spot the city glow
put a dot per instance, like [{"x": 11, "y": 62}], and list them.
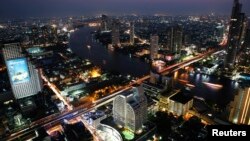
[
  {"x": 54, "y": 26},
  {"x": 214, "y": 86},
  {"x": 127, "y": 31},
  {"x": 65, "y": 29},
  {"x": 94, "y": 24},
  {"x": 190, "y": 85},
  {"x": 128, "y": 135},
  {"x": 117, "y": 77},
  {"x": 183, "y": 81},
  {"x": 246, "y": 106},
  {"x": 1, "y": 27},
  {"x": 96, "y": 72}
]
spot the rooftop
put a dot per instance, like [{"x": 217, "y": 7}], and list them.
[
  {"x": 181, "y": 97},
  {"x": 127, "y": 93},
  {"x": 147, "y": 129}
]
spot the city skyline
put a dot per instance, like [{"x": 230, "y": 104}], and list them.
[
  {"x": 47, "y": 8},
  {"x": 113, "y": 70}
]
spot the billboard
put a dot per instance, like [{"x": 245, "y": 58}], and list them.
[{"x": 18, "y": 70}]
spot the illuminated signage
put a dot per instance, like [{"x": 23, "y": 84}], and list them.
[{"x": 18, "y": 70}]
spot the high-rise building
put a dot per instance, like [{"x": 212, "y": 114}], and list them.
[
  {"x": 104, "y": 23},
  {"x": 219, "y": 32},
  {"x": 24, "y": 77},
  {"x": 54, "y": 34},
  {"x": 239, "y": 107},
  {"x": 154, "y": 47},
  {"x": 186, "y": 39},
  {"x": 175, "y": 39},
  {"x": 132, "y": 33},
  {"x": 116, "y": 33},
  {"x": 154, "y": 39},
  {"x": 235, "y": 35},
  {"x": 244, "y": 58},
  {"x": 130, "y": 109}
]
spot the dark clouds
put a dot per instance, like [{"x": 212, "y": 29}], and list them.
[{"x": 25, "y": 8}]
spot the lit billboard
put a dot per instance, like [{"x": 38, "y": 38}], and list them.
[{"x": 18, "y": 70}]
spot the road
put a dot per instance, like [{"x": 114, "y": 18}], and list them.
[{"x": 77, "y": 111}]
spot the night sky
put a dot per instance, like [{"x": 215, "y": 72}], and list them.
[{"x": 26, "y": 8}]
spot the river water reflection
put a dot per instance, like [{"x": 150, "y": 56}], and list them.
[{"x": 82, "y": 44}]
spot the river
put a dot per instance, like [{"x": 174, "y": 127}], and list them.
[
  {"x": 101, "y": 56},
  {"x": 123, "y": 64}
]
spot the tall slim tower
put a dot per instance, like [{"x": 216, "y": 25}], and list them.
[
  {"x": 244, "y": 58},
  {"x": 175, "y": 39},
  {"x": 132, "y": 33},
  {"x": 104, "y": 23},
  {"x": 24, "y": 77},
  {"x": 240, "y": 107},
  {"x": 116, "y": 33},
  {"x": 235, "y": 35},
  {"x": 154, "y": 39}
]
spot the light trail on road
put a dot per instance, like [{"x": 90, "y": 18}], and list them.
[{"x": 88, "y": 107}]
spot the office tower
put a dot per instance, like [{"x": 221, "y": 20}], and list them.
[
  {"x": 116, "y": 33},
  {"x": 45, "y": 34},
  {"x": 130, "y": 109},
  {"x": 175, "y": 39},
  {"x": 54, "y": 33},
  {"x": 219, "y": 32},
  {"x": 154, "y": 76},
  {"x": 34, "y": 36},
  {"x": 132, "y": 33},
  {"x": 24, "y": 77},
  {"x": 244, "y": 59},
  {"x": 154, "y": 39},
  {"x": 104, "y": 23},
  {"x": 240, "y": 107},
  {"x": 187, "y": 39},
  {"x": 235, "y": 35}
]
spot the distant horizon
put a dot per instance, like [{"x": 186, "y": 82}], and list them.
[
  {"x": 115, "y": 15},
  {"x": 13, "y": 9}
]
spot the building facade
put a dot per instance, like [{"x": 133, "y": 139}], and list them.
[
  {"x": 176, "y": 102},
  {"x": 104, "y": 23},
  {"x": 116, "y": 33},
  {"x": 130, "y": 109},
  {"x": 24, "y": 77},
  {"x": 236, "y": 34},
  {"x": 175, "y": 39},
  {"x": 132, "y": 33},
  {"x": 239, "y": 107},
  {"x": 154, "y": 47},
  {"x": 244, "y": 59}
]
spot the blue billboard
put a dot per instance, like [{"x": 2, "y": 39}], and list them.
[{"x": 18, "y": 70}]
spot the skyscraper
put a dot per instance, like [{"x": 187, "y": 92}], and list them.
[
  {"x": 104, "y": 22},
  {"x": 130, "y": 109},
  {"x": 235, "y": 35},
  {"x": 132, "y": 33},
  {"x": 115, "y": 33},
  {"x": 244, "y": 58},
  {"x": 24, "y": 77},
  {"x": 154, "y": 39},
  {"x": 240, "y": 107},
  {"x": 175, "y": 39},
  {"x": 219, "y": 32}
]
